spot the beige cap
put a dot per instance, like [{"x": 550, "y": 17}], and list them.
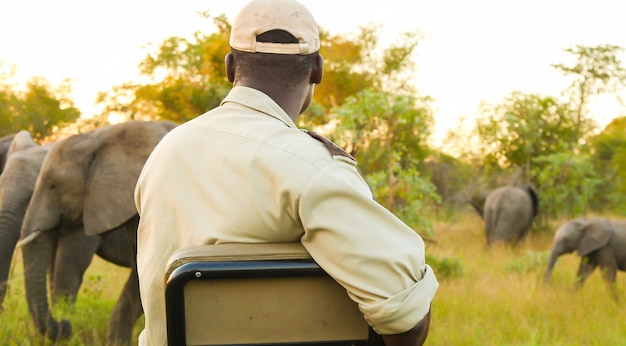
[{"x": 260, "y": 16}]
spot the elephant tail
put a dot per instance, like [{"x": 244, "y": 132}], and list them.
[
  {"x": 534, "y": 199},
  {"x": 477, "y": 207}
]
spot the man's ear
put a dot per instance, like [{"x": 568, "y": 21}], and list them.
[
  {"x": 230, "y": 67},
  {"x": 317, "y": 71}
]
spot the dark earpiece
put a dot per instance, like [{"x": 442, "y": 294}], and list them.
[
  {"x": 317, "y": 71},
  {"x": 230, "y": 67}
]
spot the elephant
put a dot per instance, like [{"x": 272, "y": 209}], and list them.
[
  {"x": 5, "y": 143},
  {"x": 600, "y": 242},
  {"x": 87, "y": 180},
  {"x": 72, "y": 252},
  {"x": 21, "y": 160},
  {"x": 508, "y": 213}
]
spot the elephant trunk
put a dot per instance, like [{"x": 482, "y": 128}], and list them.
[
  {"x": 36, "y": 259},
  {"x": 554, "y": 255},
  {"x": 10, "y": 224}
]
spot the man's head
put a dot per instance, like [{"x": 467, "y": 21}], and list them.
[
  {"x": 261, "y": 16},
  {"x": 275, "y": 48}
]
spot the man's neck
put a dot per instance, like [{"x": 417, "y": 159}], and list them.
[{"x": 291, "y": 100}]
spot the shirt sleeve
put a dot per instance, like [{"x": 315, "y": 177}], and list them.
[{"x": 368, "y": 250}]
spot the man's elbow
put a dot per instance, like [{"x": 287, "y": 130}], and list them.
[{"x": 414, "y": 337}]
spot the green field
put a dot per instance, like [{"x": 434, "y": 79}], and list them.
[{"x": 486, "y": 297}]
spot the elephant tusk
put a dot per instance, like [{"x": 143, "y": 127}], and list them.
[{"x": 29, "y": 238}]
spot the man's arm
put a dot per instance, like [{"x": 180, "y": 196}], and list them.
[{"x": 414, "y": 337}]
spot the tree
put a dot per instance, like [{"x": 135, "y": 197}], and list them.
[
  {"x": 572, "y": 183},
  {"x": 527, "y": 126},
  {"x": 354, "y": 62},
  {"x": 609, "y": 159},
  {"x": 387, "y": 134},
  {"x": 182, "y": 79},
  {"x": 43, "y": 109},
  {"x": 40, "y": 109},
  {"x": 597, "y": 70}
]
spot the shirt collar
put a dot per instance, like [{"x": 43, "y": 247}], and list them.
[{"x": 259, "y": 101}]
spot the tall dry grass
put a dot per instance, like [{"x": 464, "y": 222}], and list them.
[
  {"x": 500, "y": 299},
  {"x": 493, "y": 297}
]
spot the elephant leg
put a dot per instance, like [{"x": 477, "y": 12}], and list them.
[
  {"x": 608, "y": 266},
  {"x": 584, "y": 270},
  {"x": 126, "y": 312},
  {"x": 52, "y": 263},
  {"x": 609, "y": 273},
  {"x": 128, "y": 306},
  {"x": 74, "y": 253}
]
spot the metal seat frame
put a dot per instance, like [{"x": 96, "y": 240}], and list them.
[{"x": 203, "y": 267}]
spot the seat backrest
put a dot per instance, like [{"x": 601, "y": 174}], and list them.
[{"x": 257, "y": 294}]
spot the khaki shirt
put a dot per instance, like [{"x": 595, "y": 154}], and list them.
[{"x": 244, "y": 173}]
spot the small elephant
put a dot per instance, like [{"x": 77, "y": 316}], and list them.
[
  {"x": 72, "y": 249},
  {"x": 599, "y": 242},
  {"x": 87, "y": 180},
  {"x": 508, "y": 213}
]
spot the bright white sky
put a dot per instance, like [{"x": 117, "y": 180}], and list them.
[{"x": 473, "y": 50}]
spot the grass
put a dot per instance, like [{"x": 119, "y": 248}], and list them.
[
  {"x": 500, "y": 298},
  {"x": 101, "y": 287},
  {"x": 486, "y": 297}
]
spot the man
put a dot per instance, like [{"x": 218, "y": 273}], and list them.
[{"x": 244, "y": 173}]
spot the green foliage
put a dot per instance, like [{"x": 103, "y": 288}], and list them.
[
  {"x": 531, "y": 262},
  {"x": 457, "y": 182},
  {"x": 568, "y": 183},
  {"x": 344, "y": 75},
  {"x": 609, "y": 160},
  {"x": 597, "y": 70},
  {"x": 354, "y": 63},
  {"x": 526, "y": 126},
  {"x": 183, "y": 79},
  {"x": 40, "y": 109},
  {"x": 387, "y": 134},
  {"x": 445, "y": 268},
  {"x": 545, "y": 137}
]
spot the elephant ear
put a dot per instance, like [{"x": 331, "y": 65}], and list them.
[
  {"x": 596, "y": 235},
  {"x": 113, "y": 174}
]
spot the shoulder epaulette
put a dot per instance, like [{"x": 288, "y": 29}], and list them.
[{"x": 332, "y": 147}]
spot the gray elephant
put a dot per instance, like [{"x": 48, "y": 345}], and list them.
[
  {"x": 599, "y": 242},
  {"x": 5, "y": 142},
  {"x": 508, "y": 213},
  {"x": 21, "y": 160},
  {"x": 73, "y": 251},
  {"x": 87, "y": 180}
]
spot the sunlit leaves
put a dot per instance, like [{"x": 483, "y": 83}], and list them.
[
  {"x": 609, "y": 149},
  {"x": 182, "y": 78},
  {"x": 597, "y": 70},
  {"x": 525, "y": 126},
  {"x": 355, "y": 62},
  {"x": 570, "y": 182},
  {"x": 40, "y": 108},
  {"x": 387, "y": 133}
]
